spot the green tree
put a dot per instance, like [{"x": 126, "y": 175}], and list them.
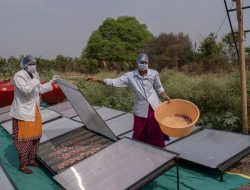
[
  {"x": 228, "y": 48},
  {"x": 210, "y": 54},
  {"x": 43, "y": 65},
  {"x": 170, "y": 50},
  {"x": 247, "y": 50},
  {"x": 8, "y": 67},
  {"x": 2, "y": 63},
  {"x": 116, "y": 41},
  {"x": 61, "y": 62},
  {"x": 210, "y": 47}
]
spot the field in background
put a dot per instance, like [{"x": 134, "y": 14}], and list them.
[{"x": 217, "y": 96}]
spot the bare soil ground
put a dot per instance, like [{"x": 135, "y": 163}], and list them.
[{"x": 242, "y": 167}]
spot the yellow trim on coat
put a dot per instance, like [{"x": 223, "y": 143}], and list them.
[{"x": 28, "y": 130}]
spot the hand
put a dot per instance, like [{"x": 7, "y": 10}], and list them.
[
  {"x": 54, "y": 78},
  {"x": 92, "y": 78},
  {"x": 167, "y": 99},
  {"x": 36, "y": 75}
]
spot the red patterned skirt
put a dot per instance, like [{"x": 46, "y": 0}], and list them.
[{"x": 27, "y": 149}]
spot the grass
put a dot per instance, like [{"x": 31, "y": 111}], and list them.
[{"x": 217, "y": 96}]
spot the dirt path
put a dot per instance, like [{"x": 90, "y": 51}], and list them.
[{"x": 242, "y": 167}]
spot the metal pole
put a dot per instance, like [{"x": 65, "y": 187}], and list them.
[
  {"x": 232, "y": 30},
  {"x": 177, "y": 173},
  {"x": 242, "y": 68},
  {"x": 247, "y": 7}
]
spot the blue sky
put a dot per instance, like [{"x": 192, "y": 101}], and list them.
[{"x": 48, "y": 28}]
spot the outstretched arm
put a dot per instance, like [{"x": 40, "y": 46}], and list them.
[
  {"x": 121, "y": 81},
  {"x": 95, "y": 79}
]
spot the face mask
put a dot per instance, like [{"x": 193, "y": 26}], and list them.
[
  {"x": 31, "y": 68},
  {"x": 142, "y": 67}
]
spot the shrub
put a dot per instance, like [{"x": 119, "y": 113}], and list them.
[
  {"x": 98, "y": 94},
  {"x": 217, "y": 96}
]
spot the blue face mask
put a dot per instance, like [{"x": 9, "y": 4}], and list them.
[{"x": 142, "y": 67}]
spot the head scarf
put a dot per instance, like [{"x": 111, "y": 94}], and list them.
[
  {"x": 142, "y": 62},
  {"x": 26, "y": 60}
]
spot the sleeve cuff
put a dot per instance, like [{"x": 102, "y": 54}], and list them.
[
  {"x": 160, "y": 90},
  {"x": 108, "y": 82},
  {"x": 35, "y": 82},
  {"x": 46, "y": 87}
]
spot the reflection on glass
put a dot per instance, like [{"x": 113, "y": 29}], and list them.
[{"x": 79, "y": 179}]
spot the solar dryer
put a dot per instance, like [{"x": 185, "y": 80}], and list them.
[
  {"x": 213, "y": 149},
  {"x": 92, "y": 156}
]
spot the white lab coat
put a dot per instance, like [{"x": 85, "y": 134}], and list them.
[
  {"x": 145, "y": 89},
  {"x": 26, "y": 95}
]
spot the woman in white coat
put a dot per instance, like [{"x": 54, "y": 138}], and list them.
[
  {"x": 25, "y": 110},
  {"x": 146, "y": 86}
]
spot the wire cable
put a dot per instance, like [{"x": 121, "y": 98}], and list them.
[{"x": 223, "y": 22}]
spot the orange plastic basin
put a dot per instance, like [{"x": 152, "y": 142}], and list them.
[{"x": 168, "y": 117}]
